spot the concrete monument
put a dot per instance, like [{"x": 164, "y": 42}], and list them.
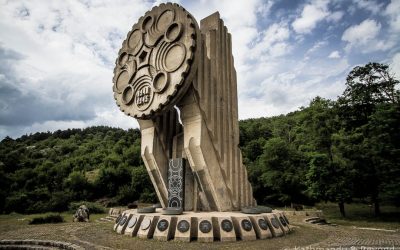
[
  {"x": 179, "y": 82},
  {"x": 166, "y": 61}
]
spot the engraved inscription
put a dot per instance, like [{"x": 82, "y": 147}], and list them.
[{"x": 142, "y": 96}]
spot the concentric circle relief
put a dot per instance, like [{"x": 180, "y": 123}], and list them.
[{"x": 156, "y": 63}]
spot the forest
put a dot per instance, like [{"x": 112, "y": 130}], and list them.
[{"x": 341, "y": 150}]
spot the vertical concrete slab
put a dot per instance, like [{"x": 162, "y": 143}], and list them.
[
  {"x": 133, "y": 225},
  {"x": 205, "y": 232},
  {"x": 274, "y": 225},
  {"x": 147, "y": 227},
  {"x": 282, "y": 223},
  {"x": 244, "y": 228},
  {"x": 224, "y": 229},
  {"x": 261, "y": 227},
  {"x": 116, "y": 224},
  {"x": 123, "y": 223},
  {"x": 185, "y": 229},
  {"x": 165, "y": 229}
]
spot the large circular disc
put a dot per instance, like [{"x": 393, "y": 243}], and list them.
[{"x": 157, "y": 61}]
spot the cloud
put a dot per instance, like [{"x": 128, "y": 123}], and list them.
[
  {"x": 362, "y": 33},
  {"x": 57, "y": 59},
  {"x": 273, "y": 42},
  {"x": 310, "y": 16},
  {"x": 395, "y": 65},
  {"x": 393, "y": 13},
  {"x": 56, "y": 62},
  {"x": 334, "y": 54},
  {"x": 335, "y": 16},
  {"x": 370, "y": 5}
]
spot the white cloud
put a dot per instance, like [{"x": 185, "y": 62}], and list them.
[
  {"x": 393, "y": 12},
  {"x": 335, "y": 16},
  {"x": 61, "y": 55},
  {"x": 273, "y": 42},
  {"x": 362, "y": 33},
  {"x": 334, "y": 54},
  {"x": 310, "y": 16},
  {"x": 395, "y": 65},
  {"x": 370, "y": 5}
]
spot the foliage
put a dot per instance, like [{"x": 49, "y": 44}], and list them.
[
  {"x": 47, "y": 171},
  {"x": 51, "y": 218},
  {"x": 94, "y": 207}
]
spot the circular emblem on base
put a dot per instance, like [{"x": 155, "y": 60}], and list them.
[
  {"x": 123, "y": 220},
  {"x": 263, "y": 224},
  {"x": 205, "y": 226},
  {"x": 118, "y": 218},
  {"x": 283, "y": 221},
  {"x": 132, "y": 222},
  {"x": 274, "y": 223},
  {"x": 183, "y": 226},
  {"x": 145, "y": 224},
  {"x": 162, "y": 225},
  {"x": 246, "y": 225},
  {"x": 286, "y": 219},
  {"x": 226, "y": 225},
  {"x": 157, "y": 61}
]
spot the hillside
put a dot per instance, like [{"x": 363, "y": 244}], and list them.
[{"x": 337, "y": 151}]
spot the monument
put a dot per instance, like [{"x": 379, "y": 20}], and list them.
[{"x": 179, "y": 82}]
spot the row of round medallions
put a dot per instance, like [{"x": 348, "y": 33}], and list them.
[{"x": 273, "y": 224}]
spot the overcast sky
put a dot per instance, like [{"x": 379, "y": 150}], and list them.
[{"x": 57, "y": 57}]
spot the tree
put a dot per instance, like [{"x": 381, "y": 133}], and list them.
[
  {"x": 367, "y": 86},
  {"x": 370, "y": 92}
]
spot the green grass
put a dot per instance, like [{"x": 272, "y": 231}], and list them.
[
  {"x": 24, "y": 219},
  {"x": 361, "y": 215}
]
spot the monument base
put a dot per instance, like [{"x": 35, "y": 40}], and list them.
[{"x": 202, "y": 226}]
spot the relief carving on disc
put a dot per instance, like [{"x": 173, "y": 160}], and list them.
[{"x": 156, "y": 63}]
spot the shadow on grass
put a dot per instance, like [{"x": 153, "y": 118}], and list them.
[{"x": 359, "y": 214}]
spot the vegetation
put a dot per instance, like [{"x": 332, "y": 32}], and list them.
[
  {"x": 51, "y": 218},
  {"x": 337, "y": 151},
  {"x": 47, "y": 171}
]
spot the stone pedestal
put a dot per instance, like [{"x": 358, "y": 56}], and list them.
[
  {"x": 244, "y": 228},
  {"x": 205, "y": 231},
  {"x": 185, "y": 229},
  {"x": 147, "y": 227},
  {"x": 261, "y": 227},
  {"x": 133, "y": 225},
  {"x": 165, "y": 228},
  {"x": 224, "y": 229},
  {"x": 274, "y": 224}
]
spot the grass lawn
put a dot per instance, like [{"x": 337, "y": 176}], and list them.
[
  {"x": 100, "y": 234},
  {"x": 361, "y": 215}
]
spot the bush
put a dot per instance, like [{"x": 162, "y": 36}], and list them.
[
  {"x": 94, "y": 208},
  {"x": 51, "y": 218}
]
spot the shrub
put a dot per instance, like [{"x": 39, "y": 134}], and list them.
[
  {"x": 94, "y": 208},
  {"x": 51, "y": 218}
]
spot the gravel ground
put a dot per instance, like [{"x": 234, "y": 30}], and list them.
[{"x": 99, "y": 235}]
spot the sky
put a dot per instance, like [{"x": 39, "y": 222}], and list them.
[{"x": 57, "y": 57}]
